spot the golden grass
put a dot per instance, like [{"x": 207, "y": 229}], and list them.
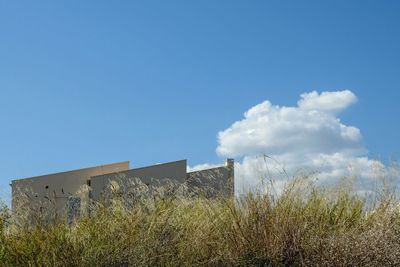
[{"x": 303, "y": 226}]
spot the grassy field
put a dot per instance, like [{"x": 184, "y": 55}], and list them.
[{"x": 304, "y": 226}]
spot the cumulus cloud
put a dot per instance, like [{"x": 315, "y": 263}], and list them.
[
  {"x": 327, "y": 101},
  {"x": 311, "y": 127},
  {"x": 203, "y": 166},
  {"x": 309, "y": 137}
]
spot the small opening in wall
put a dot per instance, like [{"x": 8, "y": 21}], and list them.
[
  {"x": 88, "y": 182},
  {"x": 47, "y": 187}
]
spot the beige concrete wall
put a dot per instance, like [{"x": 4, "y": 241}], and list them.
[
  {"x": 213, "y": 182},
  {"x": 56, "y": 188},
  {"x": 175, "y": 171}
]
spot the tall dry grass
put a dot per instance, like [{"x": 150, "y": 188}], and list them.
[{"x": 305, "y": 225}]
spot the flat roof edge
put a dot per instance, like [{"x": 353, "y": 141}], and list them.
[
  {"x": 75, "y": 170},
  {"x": 145, "y": 167},
  {"x": 208, "y": 169}
]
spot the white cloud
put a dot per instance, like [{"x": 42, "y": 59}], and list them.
[
  {"x": 327, "y": 101},
  {"x": 203, "y": 166},
  {"x": 253, "y": 171},
  {"x": 308, "y": 137},
  {"x": 276, "y": 130}
]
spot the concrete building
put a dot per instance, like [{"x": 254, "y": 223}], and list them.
[
  {"x": 66, "y": 189},
  {"x": 217, "y": 181},
  {"x": 55, "y": 189},
  {"x": 150, "y": 175}
]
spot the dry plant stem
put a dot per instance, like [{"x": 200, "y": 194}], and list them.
[{"x": 167, "y": 225}]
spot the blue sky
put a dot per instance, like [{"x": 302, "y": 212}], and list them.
[{"x": 84, "y": 83}]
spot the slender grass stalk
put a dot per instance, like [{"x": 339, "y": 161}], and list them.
[{"x": 305, "y": 225}]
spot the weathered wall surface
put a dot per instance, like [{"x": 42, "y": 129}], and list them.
[
  {"x": 56, "y": 188},
  {"x": 213, "y": 182},
  {"x": 175, "y": 171},
  {"x": 54, "y": 192}
]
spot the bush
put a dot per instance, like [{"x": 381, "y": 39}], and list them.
[{"x": 303, "y": 226}]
